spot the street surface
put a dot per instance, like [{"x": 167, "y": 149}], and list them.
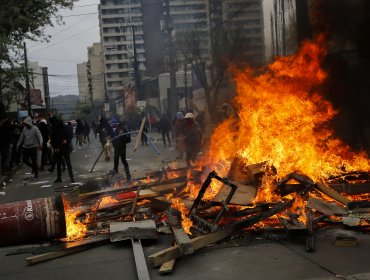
[{"x": 245, "y": 258}]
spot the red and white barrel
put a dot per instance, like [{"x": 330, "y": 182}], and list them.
[{"x": 32, "y": 221}]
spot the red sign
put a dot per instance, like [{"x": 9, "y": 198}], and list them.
[{"x": 130, "y": 98}]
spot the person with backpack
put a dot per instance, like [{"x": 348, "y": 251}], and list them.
[
  {"x": 193, "y": 138},
  {"x": 119, "y": 145}
]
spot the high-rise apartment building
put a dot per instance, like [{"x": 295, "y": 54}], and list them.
[
  {"x": 83, "y": 84},
  {"x": 121, "y": 24},
  {"x": 244, "y": 20},
  {"x": 95, "y": 74},
  {"x": 189, "y": 16}
]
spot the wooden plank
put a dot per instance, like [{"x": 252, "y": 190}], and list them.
[
  {"x": 201, "y": 241},
  {"x": 167, "y": 187},
  {"x": 181, "y": 238},
  {"x": 167, "y": 267},
  {"x": 141, "y": 267},
  {"x": 78, "y": 246},
  {"x": 243, "y": 195},
  {"x": 333, "y": 194},
  {"x": 292, "y": 224},
  {"x": 127, "y": 230},
  {"x": 139, "y": 135},
  {"x": 327, "y": 208}
]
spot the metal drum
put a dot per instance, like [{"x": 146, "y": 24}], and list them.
[{"x": 32, "y": 221}]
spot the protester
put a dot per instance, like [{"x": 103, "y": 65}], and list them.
[
  {"x": 30, "y": 141},
  {"x": 119, "y": 145},
  {"x": 44, "y": 129},
  {"x": 70, "y": 135},
  {"x": 105, "y": 136},
  {"x": 15, "y": 134},
  {"x": 87, "y": 132},
  {"x": 5, "y": 145},
  {"x": 80, "y": 130},
  {"x": 193, "y": 138},
  {"x": 179, "y": 134},
  {"x": 93, "y": 127},
  {"x": 144, "y": 139},
  {"x": 165, "y": 128},
  {"x": 59, "y": 139}
]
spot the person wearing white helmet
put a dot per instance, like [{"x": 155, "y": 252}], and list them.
[{"x": 193, "y": 138}]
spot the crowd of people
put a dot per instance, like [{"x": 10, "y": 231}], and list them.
[{"x": 22, "y": 142}]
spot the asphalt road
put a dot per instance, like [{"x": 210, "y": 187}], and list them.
[{"x": 250, "y": 257}]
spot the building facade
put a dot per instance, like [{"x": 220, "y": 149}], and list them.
[
  {"x": 121, "y": 28},
  {"x": 95, "y": 74},
  {"x": 83, "y": 82}
]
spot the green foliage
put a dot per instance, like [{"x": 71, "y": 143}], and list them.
[{"x": 26, "y": 19}]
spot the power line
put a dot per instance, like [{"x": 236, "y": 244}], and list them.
[
  {"x": 53, "y": 35},
  {"x": 78, "y": 15},
  {"x": 62, "y": 41}
]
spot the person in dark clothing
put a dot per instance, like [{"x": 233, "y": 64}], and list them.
[
  {"x": 119, "y": 145},
  {"x": 5, "y": 141},
  {"x": 106, "y": 133},
  {"x": 93, "y": 127},
  {"x": 80, "y": 130},
  {"x": 87, "y": 132},
  {"x": 70, "y": 135},
  {"x": 44, "y": 129},
  {"x": 59, "y": 139},
  {"x": 15, "y": 134},
  {"x": 144, "y": 139},
  {"x": 165, "y": 128}
]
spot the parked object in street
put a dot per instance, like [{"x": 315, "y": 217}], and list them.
[{"x": 32, "y": 221}]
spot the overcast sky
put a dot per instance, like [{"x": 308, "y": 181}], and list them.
[
  {"x": 69, "y": 42},
  {"x": 68, "y": 46}
]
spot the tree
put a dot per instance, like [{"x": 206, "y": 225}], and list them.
[
  {"x": 227, "y": 49},
  {"x": 26, "y": 19}
]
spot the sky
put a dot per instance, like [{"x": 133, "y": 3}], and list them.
[{"x": 67, "y": 46}]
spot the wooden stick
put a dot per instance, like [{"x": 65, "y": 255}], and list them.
[
  {"x": 80, "y": 246},
  {"x": 182, "y": 239},
  {"x": 201, "y": 241},
  {"x": 139, "y": 135}
]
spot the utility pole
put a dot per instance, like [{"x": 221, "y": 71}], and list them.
[
  {"x": 171, "y": 59},
  {"x": 136, "y": 67},
  {"x": 27, "y": 81}
]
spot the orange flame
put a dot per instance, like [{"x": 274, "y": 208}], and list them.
[
  {"x": 107, "y": 201},
  {"x": 186, "y": 223},
  {"x": 283, "y": 120},
  {"x": 75, "y": 229}
]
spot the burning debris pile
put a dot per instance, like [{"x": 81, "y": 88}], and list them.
[{"x": 276, "y": 164}]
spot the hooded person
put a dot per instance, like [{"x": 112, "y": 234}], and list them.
[
  {"x": 60, "y": 141},
  {"x": 119, "y": 144},
  {"x": 30, "y": 141},
  {"x": 193, "y": 138}
]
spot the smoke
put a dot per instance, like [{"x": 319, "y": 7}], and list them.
[{"x": 341, "y": 20}]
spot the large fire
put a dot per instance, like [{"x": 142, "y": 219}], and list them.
[{"x": 282, "y": 119}]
